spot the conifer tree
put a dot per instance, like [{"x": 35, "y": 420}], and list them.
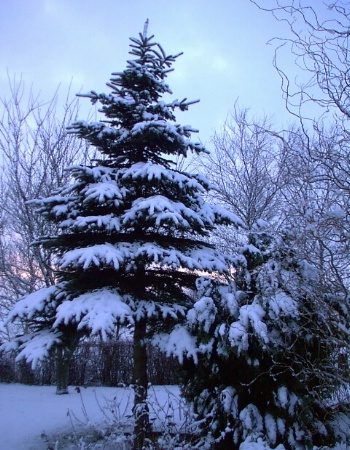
[
  {"x": 264, "y": 369},
  {"x": 133, "y": 228}
]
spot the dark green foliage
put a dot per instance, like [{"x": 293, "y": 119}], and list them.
[{"x": 268, "y": 371}]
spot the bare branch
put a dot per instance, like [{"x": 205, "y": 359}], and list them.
[{"x": 35, "y": 149}]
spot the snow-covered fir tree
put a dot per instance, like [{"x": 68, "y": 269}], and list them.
[
  {"x": 261, "y": 353},
  {"x": 132, "y": 228}
]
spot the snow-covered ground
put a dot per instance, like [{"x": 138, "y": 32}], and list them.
[
  {"x": 26, "y": 412},
  {"x": 35, "y": 418}
]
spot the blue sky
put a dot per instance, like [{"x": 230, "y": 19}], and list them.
[{"x": 226, "y": 56}]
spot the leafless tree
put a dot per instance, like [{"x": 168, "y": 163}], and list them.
[
  {"x": 35, "y": 149},
  {"x": 318, "y": 38},
  {"x": 318, "y": 169},
  {"x": 316, "y": 207},
  {"x": 245, "y": 169}
]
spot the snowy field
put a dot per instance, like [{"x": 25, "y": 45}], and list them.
[
  {"x": 27, "y": 412},
  {"x": 35, "y": 418}
]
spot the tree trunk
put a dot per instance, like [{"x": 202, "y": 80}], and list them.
[
  {"x": 63, "y": 356},
  {"x": 62, "y": 370},
  {"x": 141, "y": 413}
]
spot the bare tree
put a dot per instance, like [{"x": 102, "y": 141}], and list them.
[
  {"x": 35, "y": 150},
  {"x": 317, "y": 207},
  {"x": 317, "y": 154},
  {"x": 244, "y": 168},
  {"x": 317, "y": 188},
  {"x": 318, "y": 38}
]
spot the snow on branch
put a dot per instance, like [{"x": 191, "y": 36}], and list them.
[
  {"x": 36, "y": 347},
  {"x": 118, "y": 255},
  {"x": 178, "y": 343},
  {"x": 38, "y": 302},
  {"x": 98, "y": 311},
  {"x": 97, "y": 255}
]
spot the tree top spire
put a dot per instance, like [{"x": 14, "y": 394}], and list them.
[{"x": 145, "y": 28}]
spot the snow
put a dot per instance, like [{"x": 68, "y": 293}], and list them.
[
  {"x": 108, "y": 221},
  {"x": 229, "y": 401},
  {"x": 28, "y": 411},
  {"x": 33, "y": 303},
  {"x": 336, "y": 212},
  {"x": 36, "y": 347},
  {"x": 271, "y": 428},
  {"x": 94, "y": 255},
  {"x": 231, "y": 303},
  {"x": 308, "y": 271},
  {"x": 150, "y": 171},
  {"x": 161, "y": 209},
  {"x": 203, "y": 311},
  {"x": 282, "y": 395},
  {"x": 101, "y": 192},
  {"x": 178, "y": 343},
  {"x": 249, "y": 316},
  {"x": 116, "y": 255},
  {"x": 99, "y": 311},
  {"x": 259, "y": 445},
  {"x": 251, "y": 419},
  {"x": 238, "y": 336},
  {"x": 281, "y": 303}
]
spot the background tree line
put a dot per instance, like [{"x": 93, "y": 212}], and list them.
[{"x": 93, "y": 364}]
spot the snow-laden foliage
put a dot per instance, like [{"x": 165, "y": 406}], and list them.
[
  {"x": 130, "y": 215},
  {"x": 260, "y": 352},
  {"x": 98, "y": 311},
  {"x": 37, "y": 309},
  {"x": 133, "y": 228}
]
